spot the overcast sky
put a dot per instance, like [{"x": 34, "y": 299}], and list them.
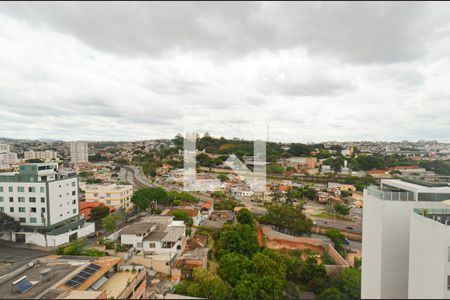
[{"x": 309, "y": 71}]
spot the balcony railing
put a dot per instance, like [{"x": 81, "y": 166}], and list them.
[{"x": 390, "y": 195}]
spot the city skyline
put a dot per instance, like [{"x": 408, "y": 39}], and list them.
[{"x": 131, "y": 71}]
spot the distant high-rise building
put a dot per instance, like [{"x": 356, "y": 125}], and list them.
[
  {"x": 79, "y": 152},
  {"x": 6, "y": 157},
  {"x": 46, "y": 155},
  {"x": 391, "y": 266},
  {"x": 5, "y": 148}
]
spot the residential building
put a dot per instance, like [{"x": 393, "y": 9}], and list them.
[
  {"x": 193, "y": 212},
  {"x": 47, "y": 155},
  {"x": 79, "y": 152},
  {"x": 43, "y": 199},
  {"x": 62, "y": 277},
  {"x": 117, "y": 196},
  {"x": 156, "y": 235},
  {"x": 387, "y": 214},
  {"x": 6, "y": 156}
]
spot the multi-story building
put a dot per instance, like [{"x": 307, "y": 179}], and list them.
[
  {"x": 386, "y": 233},
  {"x": 6, "y": 156},
  {"x": 79, "y": 152},
  {"x": 117, "y": 196},
  {"x": 47, "y": 155},
  {"x": 39, "y": 196},
  {"x": 63, "y": 277},
  {"x": 429, "y": 254}
]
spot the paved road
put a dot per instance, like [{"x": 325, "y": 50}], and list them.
[{"x": 352, "y": 244}]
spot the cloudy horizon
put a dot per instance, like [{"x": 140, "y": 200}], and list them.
[{"x": 310, "y": 72}]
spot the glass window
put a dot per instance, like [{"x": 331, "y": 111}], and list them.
[
  {"x": 33, "y": 209},
  {"x": 10, "y": 189},
  {"x": 42, "y": 209},
  {"x": 21, "y": 189},
  {"x": 22, "y": 209},
  {"x": 42, "y": 189},
  {"x": 32, "y": 199},
  {"x": 74, "y": 201},
  {"x": 73, "y": 183},
  {"x": 1, "y": 189},
  {"x": 152, "y": 245},
  {"x": 42, "y": 199},
  {"x": 108, "y": 195},
  {"x": 22, "y": 220},
  {"x": 11, "y": 209},
  {"x": 74, "y": 210},
  {"x": 74, "y": 193},
  {"x": 108, "y": 201},
  {"x": 22, "y": 199},
  {"x": 31, "y": 189},
  {"x": 1, "y": 199},
  {"x": 11, "y": 199},
  {"x": 33, "y": 220}
]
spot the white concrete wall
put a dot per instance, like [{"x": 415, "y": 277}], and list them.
[
  {"x": 62, "y": 203},
  {"x": 428, "y": 260},
  {"x": 131, "y": 239},
  {"x": 386, "y": 229}
]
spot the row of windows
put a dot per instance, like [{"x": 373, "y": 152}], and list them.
[
  {"x": 23, "y": 209},
  {"x": 21, "y": 189},
  {"x": 24, "y": 220},
  {"x": 22, "y": 199}
]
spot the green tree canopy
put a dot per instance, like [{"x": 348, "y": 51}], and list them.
[
  {"x": 99, "y": 212},
  {"x": 143, "y": 197},
  {"x": 244, "y": 216},
  {"x": 182, "y": 216},
  {"x": 288, "y": 218}
]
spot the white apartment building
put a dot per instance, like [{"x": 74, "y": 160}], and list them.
[
  {"x": 79, "y": 152},
  {"x": 47, "y": 155},
  {"x": 386, "y": 233},
  {"x": 39, "y": 196},
  {"x": 6, "y": 156},
  {"x": 117, "y": 196},
  {"x": 429, "y": 254}
]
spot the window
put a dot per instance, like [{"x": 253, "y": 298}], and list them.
[
  {"x": 1, "y": 189},
  {"x": 11, "y": 199},
  {"x": 74, "y": 193},
  {"x": 33, "y": 220},
  {"x": 22, "y": 209},
  {"x": 22, "y": 199},
  {"x": 74, "y": 211},
  {"x": 95, "y": 195},
  {"x": 139, "y": 245},
  {"x": 11, "y": 209},
  {"x": 10, "y": 189},
  {"x": 152, "y": 245},
  {"x": 179, "y": 247},
  {"x": 73, "y": 183},
  {"x": 448, "y": 282},
  {"x": 42, "y": 209},
  {"x": 1, "y": 199},
  {"x": 108, "y": 195},
  {"x": 108, "y": 201},
  {"x": 42, "y": 189},
  {"x": 74, "y": 201},
  {"x": 22, "y": 220},
  {"x": 33, "y": 209},
  {"x": 42, "y": 199},
  {"x": 2, "y": 209},
  {"x": 32, "y": 199},
  {"x": 32, "y": 189},
  {"x": 20, "y": 189}
]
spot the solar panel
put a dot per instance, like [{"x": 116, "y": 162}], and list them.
[
  {"x": 81, "y": 277},
  {"x": 24, "y": 285}
]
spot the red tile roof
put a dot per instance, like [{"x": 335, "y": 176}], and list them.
[{"x": 86, "y": 208}]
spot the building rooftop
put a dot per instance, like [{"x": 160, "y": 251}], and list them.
[
  {"x": 140, "y": 228},
  {"x": 439, "y": 215}
]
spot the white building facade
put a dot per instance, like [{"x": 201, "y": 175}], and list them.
[
  {"x": 47, "y": 155},
  {"x": 79, "y": 152},
  {"x": 117, "y": 196},
  {"x": 386, "y": 233}
]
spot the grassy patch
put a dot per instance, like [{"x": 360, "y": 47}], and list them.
[{"x": 327, "y": 215}]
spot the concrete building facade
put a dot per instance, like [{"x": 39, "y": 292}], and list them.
[
  {"x": 79, "y": 152},
  {"x": 117, "y": 196}
]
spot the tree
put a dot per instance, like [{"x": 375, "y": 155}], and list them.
[
  {"x": 204, "y": 284},
  {"x": 313, "y": 275},
  {"x": 241, "y": 239},
  {"x": 8, "y": 223},
  {"x": 232, "y": 267},
  {"x": 143, "y": 197},
  {"x": 342, "y": 209},
  {"x": 222, "y": 177},
  {"x": 331, "y": 293},
  {"x": 351, "y": 283},
  {"x": 244, "y": 216},
  {"x": 34, "y": 160},
  {"x": 109, "y": 224},
  {"x": 287, "y": 218},
  {"x": 99, "y": 212},
  {"x": 338, "y": 240},
  {"x": 337, "y": 164},
  {"x": 183, "y": 216}
]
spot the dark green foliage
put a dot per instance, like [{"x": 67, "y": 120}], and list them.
[
  {"x": 182, "y": 216},
  {"x": 287, "y": 218},
  {"x": 342, "y": 209},
  {"x": 143, "y": 197},
  {"x": 205, "y": 284},
  {"x": 99, "y": 212},
  {"x": 244, "y": 216}
]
